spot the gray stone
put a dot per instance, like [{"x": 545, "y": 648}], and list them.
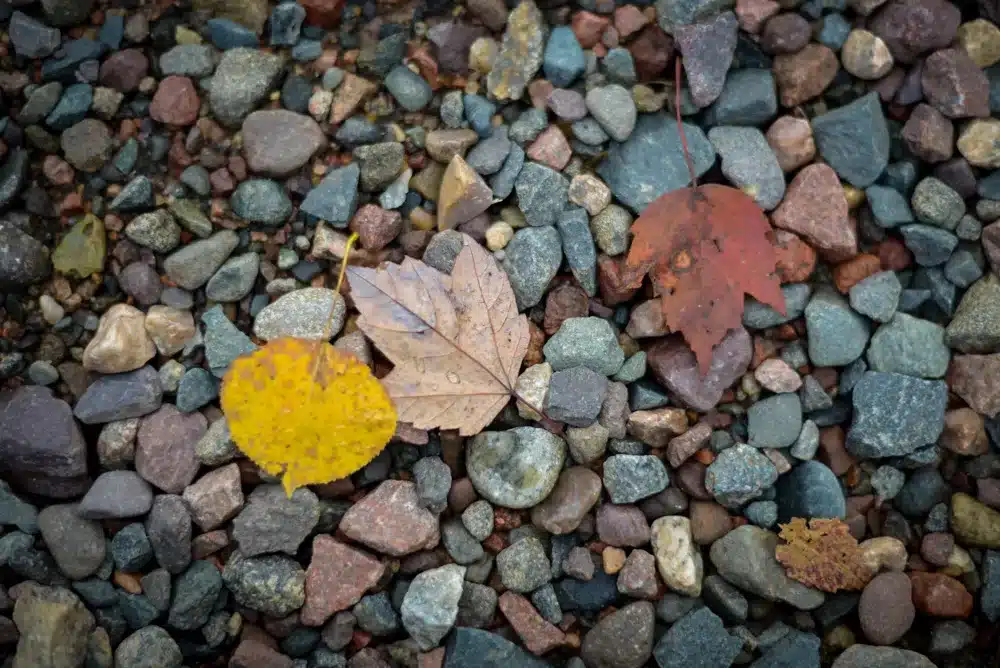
[
  {"x": 13, "y": 176},
  {"x": 475, "y": 647},
  {"x": 520, "y": 55},
  {"x": 935, "y": 203},
  {"x": 931, "y": 246},
  {"x": 613, "y": 107},
  {"x": 895, "y": 415},
  {"x": 430, "y": 606},
  {"x": 854, "y": 140},
  {"x": 31, "y": 38},
  {"x": 271, "y": 521},
  {"x": 877, "y": 296},
  {"x": 76, "y": 544},
  {"x": 308, "y": 313},
  {"x": 433, "y": 479},
  {"x": 811, "y": 489},
  {"x": 870, "y": 656},
  {"x": 748, "y": 98},
  {"x": 120, "y": 396},
  {"x": 335, "y": 199},
  {"x": 195, "y": 595},
  {"x": 837, "y": 335},
  {"x": 575, "y": 396},
  {"x": 272, "y": 584},
  {"x": 191, "y": 266},
  {"x": 888, "y": 206},
  {"x": 53, "y": 626},
  {"x": 131, "y": 549},
  {"x": 761, "y": 316},
  {"x": 23, "y": 259},
  {"x": 524, "y": 566},
  {"x": 461, "y": 545},
  {"x": 532, "y": 259},
  {"x": 630, "y": 478},
  {"x": 223, "y": 341},
  {"x": 380, "y": 164},
  {"x": 775, "y": 422},
  {"x": 707, "y": 47},
  {"x": 739, "y": 474},
  {"x": 234, "y": 279},
  {"x": 156, "y": 231},
  {"x": 542, "y": 194},
  {"x": 409, "y": 89},
  {"x": 749, "y": 163},
  {"x": 589, "y": 342},
  {"x": 578, "y": 247},
  {"x": 697, "y": 640},
  {"x": 975, "y": 327},
  {"x": 168, "y": 528},
  {"x": 515, "y": 468},
  {"x": 116, "y": 495},
  {"x": 242, "y": 80},
  {"x": 188, "y": 60},
  {"x": 909, "y": 346},
  {"x": 261, "y": 201},
  {"x": 149, "y": 647}
]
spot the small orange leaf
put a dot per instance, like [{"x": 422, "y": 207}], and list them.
[
  {"x": 822, "y": 554},
  {"x": 306, "y": 411}
]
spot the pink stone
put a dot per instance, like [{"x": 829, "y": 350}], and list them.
[
  {"x": 538, "y": 635},
  {"x": 551, "y": 148},
  {"x": 164, "y": 454},
  {"x": 337, "y": 577},
  {"x": 775, "y": 375},
  {"x": 390, "y": 520},
  {"x": 176, "y": 102},
  {"x": 815, "y": 207},
  {"x": 376, "y": 227},
  {"x": 216, "y": 497}
]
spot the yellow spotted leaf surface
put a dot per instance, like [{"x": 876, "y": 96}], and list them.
[
  {"x": 822, "y": 554},
  {"x": 306, "y": 411}
]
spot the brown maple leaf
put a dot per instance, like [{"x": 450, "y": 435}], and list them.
[
  {"x": 457, "y": 342},
  {"x": 704, "y": 247},
  {"x": 823, "y": 554}
]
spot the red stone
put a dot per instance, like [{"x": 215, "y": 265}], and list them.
[
  {"x": 564, "y": 301},
  {"x": 124, "y": 70},
  {"x": 391, "y": 520},
  {"x": 588, "y": 28},
  {"x": 629, "y": 20},
  {"x": 254, "y": 653},
  {"x": 833, "y": 452},
  {"x": 848, "y": 274},
  {"x": 323, "y": 13},
  {"x": 551, "y": 149},
  {"x": 795, "y": 259},
  {"x": 337, "y": 577},
  {"x": 976, "y": 379},
  {"x": 376, "y": 227},
  {"x": 938, "y": 595},
  {"x": 176, "y": 102},
  {"x": 651, "y": 51},
  {"x": 612, "y": 279},
  {"x": 538, "y": 635},
  {"x": 815, "y": 207},
  {"x": 894, "y": 255}
]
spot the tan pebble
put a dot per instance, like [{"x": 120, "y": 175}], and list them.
[
  {"x": 498, "y": 235},
  {"x": 613, "y": 559},
  {"x": 866, "y": 55},
  {"x": 120, "y": 343},
  {"x": 884, "y": 553},
  {"x": 979, "y": 143}
]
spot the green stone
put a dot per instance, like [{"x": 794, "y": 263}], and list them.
[
  {"x": 81, "y": 251},
  {"x": 975, "y": 328},
  {"x": 975, "y": 524},
  {"x": 189, "y": 214}
]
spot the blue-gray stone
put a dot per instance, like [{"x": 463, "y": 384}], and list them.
[
  {"x": 196, "y": 178},
  {"x": 31, "y": 38},
  {"x": 888, "y": 206},
  {"x": 116, "y": 495},
  {"x": 950, "y": 636},
  {"x": 901, "y": 176},
  {"x": 73, "y": 54},
  {"x": 943, "y": 293},
  {"x": 931, "y": 246},
  {"x": 336, "y": 197},
  {"x": 409, "y": 89},
  {"x": 120, "y": 396},
  {"x": 72, "y": 107},
  {"x": 528, "y": 125},
  {"x": 223, "y": 341},
  {"x": 909, "y": 346},
  {"x": 376, "y": 615},
  {"x": 542, "y": 194},
  {"x": 578, "y": 247},
  {"x": 613, "y": 107},
  {"x": 854, "y": 140},
  {"x": 749, "y": 163},
  {"x": 923, "y": 490},
  {"x": 13, "y": 176},
  {"x": 630, "y": 478},
  {"x": 619, "y": 66},
  {"x": 587, "y": 596},
  {"x": 811, "y": 489},
  {"x": 532, "y": 259},
  {"x": 589, "y": 131},
  {"x": 475, "y": 647},
  {"x": 261, "y": 201},
  {"x": 126, "y": 158},
  {"x": 646, "y": 394},
  {"x": 137, "y": 195},
  {"x": 762, "y": 513},
  {"x": 589, "y": 342},
  {"x": 632, "y": 369},
  {"x": 748, "y": 98},
  {"x": 739, "y": 474},
  {"x": 989, "y": 186},
  {"x": 479, "y": 113},
  {"x": 575, "y": 396},
  {"x": 197, "y": 388},
  {"x": 796, "y": 649},
  {"x": 651, "y": 162},
  {"x": 877, "y": 296},
  {"x": 935, "y": 203},
  {"x": 671, "y": 13},
  {"x": 452, "y": 110},
  {"x": 40, "y": 102},
  {"x": 138, "y": 611},
  {"x": 227, "y": 34},
  {"x": 964, "y": 267},
  {"x": 296, "y": 93},
  {"x": 96, "y": 592},
  {"x": 697, "y": 640},
  {"x": 833, "y": 30},
  {"x": 989, "y": 594},
  {"x": 563, "y": 60},
  {"x": 234, "y": 279},
  {"x": 195, "y": 594},
  {"x": 131, "y": 549},
  {"x": 503, "y": 181},
  {"x": 188, "y": 60},
  {"x": 358, "y": 130},
  {"x": 837, "y": 335},
  {"x": 488, "y": 156},
  {"x": 895, "y": 415},
  {"x": 775, "y": 422},
  {"x": 887, "y": 481},
  {"x": 286, "y": 23}
]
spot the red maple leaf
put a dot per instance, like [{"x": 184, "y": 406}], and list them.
[{"x": 704, "y": 247}]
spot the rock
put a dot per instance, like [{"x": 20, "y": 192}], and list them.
[
  {"x": 698, "y": 639},
  {"x": 215, "y": 498},
  {"x": 463, "y": 195},
  {"x": 337, "y": 577},
  {"x": 909, "y": 346},
  {"x": 804, "y": 75},
  {"x": 739, "y": 474},
  {"x": 854, "y": 140},
  {"x": 674, "y": 366},
  {"x": 794, "y": 648},
  {"x": 578, "y": 247},
  {"x": 176, "y": 102},
  {"x": 430, "y": 606},
  {"x": 869, "y": 656},
  {"x": 516, "y": 468},
  {"x": 895, "y": 415},
  {"x": 168, "y": 528},
  {"x": 576, "y": 491},
  {"x": 41, "y": 446},
  {"x": 261, "y": 201},
  {"x": 974, "y": 523},
  {"x": 156, "y": 231},
  {"x": 303, "y": 314},
  {"x": 272, "y": 584},
  {"x": 13, "y": 176},
  {"x": 651, "y": 163},
  {"x": 532, "y": 260},
  {"x": 931, "y": 246},
  {"x": 811, "y": 489},
  {"x": 81, "y": 252},
  {"x": 31, "y": 38},
  {"x": 542, "y": 194},
  {"x": 866, "y": 56},
  {"x": 678, "y": 558},
  {"x": 955, "y": 85},
  {"x": 120, "y": 396},
  {"x": 877, "y": 296},
  {"x": 54, "y": 627},
  {"x": 837, "y": 335},
  {"x": 469, "y": 646},
  {"x": 977, "y": 143},
  {"x": 195, "y": 595},
  {"x": 191, "y": 266},
  {"x": 973, "y": 329},
  {"x": 234, "y": 279},
  {"x": 939, "y": 595},
  {"x": 521, "y": 53},
  {"x": 588, "y": 342},
  {"x": 335, "y": 198},
  {"x": 188, "y": 60},
  {"x": 120, "y": 343},
  {"x": 775, "y": 422},
  {"x": 76, "y": 544},
  {"x": 523, "y": 566},
  {"x": 164, "y": 453},
  {"x": 272, "y": 521},
  {"x": 87, "y": 145},
  {"x": 886, "y": 610},
  {"x": 745, "y": 558},
  {"x": 241, "y": 82},
  {"x": 116, "y": 495},
  {"x": 66, "y": 13},
  {"x": 749, "y": 164},
  {"x": 23, "y": 259},
  {"x": 408, "y": 88},
  {"x": 707, "y": 47},
  {"x": 278, "y": 142},
  {"x": 563, "y": 60},
  {"x": 622, "y": 639},
  {"x": 815, "y": 207},
  {"x": 928, "y": 134},
  {"x": 613, "y": 107},
  {"x": 390, "y": 520},
  {"x": 538, "y": 634},
  {"x": 629, "y": 478}
]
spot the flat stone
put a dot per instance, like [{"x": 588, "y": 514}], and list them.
[
  {"x": 895, "y": 414},
  {"x": 390, "y": 520},
  {"x": 165, "y": 454},
  {"x": 337, "y": 577},
  {"x": 674, "y": 366},
  {"x": 707, "y": 47},
  {"x": 120, "y": 396},
  {"x": 909, "y": 346},
  {"x": 241, "y": 82},
  {"x": 278, "y": 142},
  {"x": 749, "y": 164},
  {"x": 854, "y": 140},
  {"x": 517, "y": 468},
  {"x": 304, "y": 314},
  {"x": 273, "y": 521},
  {"x": 116, "y": 495},
  {"x": 215, "y": 498}
]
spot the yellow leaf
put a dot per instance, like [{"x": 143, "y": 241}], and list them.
[{"x": 306, "y": 411}]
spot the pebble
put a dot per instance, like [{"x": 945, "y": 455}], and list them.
[
  {"x": 278, "y": 142},
  {"x": 588, "y": 342},
  {"x": 837, "y": 335},
  {"x": 215, "y": 498},
  {"x": 271, "y": 584},
  {"x": 630, "y": 478},
  {"x": 120, "y": 343},
  {"x": 854, "y": 140},
  {"x": 804, "y": 75},
  {"x": 972, "y": 328},
  {"x": 698, "y": 638},
  {"x": 974, "y": 523},
  {"x": 337, "y": 578},
  {"x": 739, "y": 474},
  {"x": 859, "y": 656},
  {"x": 523, "y": 566},
  {"x": 707, "y": 47},
  {"x": 811, "y": 489},
  {"x": 391, "y": 520},
  {"x": 304, "y": 314},
  {"x": 816, "y": 208},
  {"x": 563, "y": 59},
  {"x": 116, "y": 495},
  {"x": 866, "y": 56},
  {"x": 241, "y": 81},
  {"x": 895, "y": 414},
  {"x": 261, "y": 201},
  {"x": 623, "y": 638},
  {"x": 775, "y": 422},
  {"x": 532, "y": 259},
  {"x": 77, "y": 545},
  {"x": 955, "y": 85},
  {"x": 497, "y": 463},
  {"x": 409, "y": 89},
  {"x": 149, "y": 646},
  {"x": 234, "y": 279},
  {"x": 191, "y": 266},
  {"x": 877, "y": 296},
  {"x": 909, "y": 346}
]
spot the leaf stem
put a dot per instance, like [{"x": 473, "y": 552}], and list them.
[{"x": 680, "y": 124}]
